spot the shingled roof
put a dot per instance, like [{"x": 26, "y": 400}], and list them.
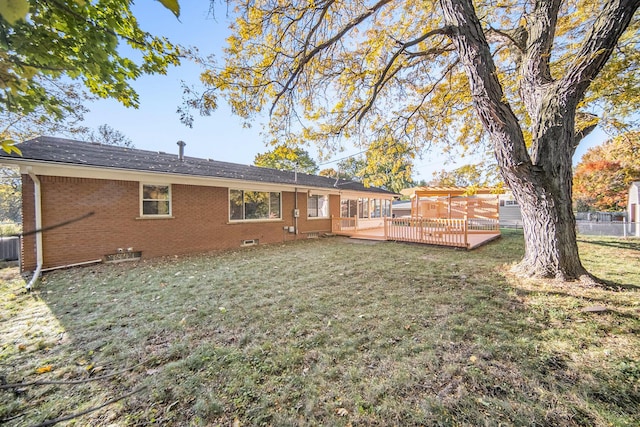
[{"x": 65, "y": 151}]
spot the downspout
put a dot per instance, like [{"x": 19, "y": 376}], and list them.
[
  {"x": 38, "y": 213},
  {"x": 295, "y": 217}
]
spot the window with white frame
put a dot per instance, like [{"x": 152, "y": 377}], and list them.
[
  {"x": 318, "y": 206},
  {"x": 348, "y": 208},
  {"x": 380, "y": 208},
  {"x": 386, "y": 208},
  {"x": 254, "y": 205},
  {"x": 156, "y": 200},
  {"x": 376, "y": 208},
  {"x": 363, "y": 208}
]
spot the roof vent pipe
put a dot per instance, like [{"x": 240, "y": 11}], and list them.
[{"x": 181, "y": 144}]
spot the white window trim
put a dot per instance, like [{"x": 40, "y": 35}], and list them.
[
  {"x": 141, "y": 201},
  {"x": 238, "y": 221}
]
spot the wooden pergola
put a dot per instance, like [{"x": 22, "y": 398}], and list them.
[
  {"x": 445, "y": 216},
  {"x": 453, "y": 202}
]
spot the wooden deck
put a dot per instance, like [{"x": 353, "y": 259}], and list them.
[{"x": 468, "y": 234}]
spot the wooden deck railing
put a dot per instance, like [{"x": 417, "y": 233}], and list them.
[
  {"x": 446, "y": 232},
  {"x": 339, "y": 224},
  {"x": 433, "y": 231},
  {"x": 483, "y": 225}
]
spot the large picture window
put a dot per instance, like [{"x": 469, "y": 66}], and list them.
[
  {"x": 365, "y": 208},
  {"x": 248, "y": 205},
  {"x": 318, "y": 206},
  {"x": 156, "y": 200}
]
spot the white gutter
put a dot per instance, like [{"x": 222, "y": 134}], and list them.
[{"x": 38, "y": 208}]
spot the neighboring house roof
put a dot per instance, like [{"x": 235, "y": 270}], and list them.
[
  {"x": 69, "y": 152},
  {"x": 401, "y": 204}
]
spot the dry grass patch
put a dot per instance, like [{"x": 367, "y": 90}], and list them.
[{"x": 326, "y": 332}]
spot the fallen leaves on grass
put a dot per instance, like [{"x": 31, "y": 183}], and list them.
[
  {"x": 44, "y": 369},
  {"x": 343, "y": 412}
]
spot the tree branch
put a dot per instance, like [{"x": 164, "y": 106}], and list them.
[
  {"x": 382, "y": 79},
  {"x": 534, "y": 67},
  {"x": 323, "y": 13},
  {"x": 589, "y": 122},
  {"x": 515, "y": 37},
  {"x": 309, "y": 56},
  {"x": 95, "y": 408},
  {"x": 430, "y": 91},
  {"x": 70, "y": 382},
  {"x": 599, "y": 45},
  {"x": 490, "y": 103},
  {"x": 94, "y": 24}
]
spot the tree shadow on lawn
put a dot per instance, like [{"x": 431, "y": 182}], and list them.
[
  {"x": 632, "y": 244},
  {"x": 616, "y": 286},
  {"x": 595, "y": 351},
  {"x": 216, "y": 339},
  {"x": 395, "y": 353}
]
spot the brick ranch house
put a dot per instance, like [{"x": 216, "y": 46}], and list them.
[{"x": 96, "y": 202}]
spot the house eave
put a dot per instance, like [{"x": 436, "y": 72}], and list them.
[{"x": 40, "y": 167}]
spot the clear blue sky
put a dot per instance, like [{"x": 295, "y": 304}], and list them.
[{"x": 221, "y": 136}]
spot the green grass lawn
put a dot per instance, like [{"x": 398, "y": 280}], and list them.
[{"x": 330, "y": 332}]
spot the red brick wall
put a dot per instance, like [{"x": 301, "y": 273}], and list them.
[{"x": 200, "y": 221}]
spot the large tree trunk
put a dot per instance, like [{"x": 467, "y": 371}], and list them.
[
  {"x": 541, "y": 183},
  {"x": 543, "y": 188},
  {"x": 549, "y": 224},
  {"x": 550, "y": 239},
  {"x": 541, "y": 176}
]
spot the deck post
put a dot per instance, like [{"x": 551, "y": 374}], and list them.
[
  {"x": 386, "y": 228},
  {"x": 466, "y": 232}
]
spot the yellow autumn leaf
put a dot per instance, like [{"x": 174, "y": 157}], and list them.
[
  {"x": 14, "y": 10},
  {"x": 8, "y": 145},
  {"x": 44, "y": 369},
  {"x": 172, "y": 5}
]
